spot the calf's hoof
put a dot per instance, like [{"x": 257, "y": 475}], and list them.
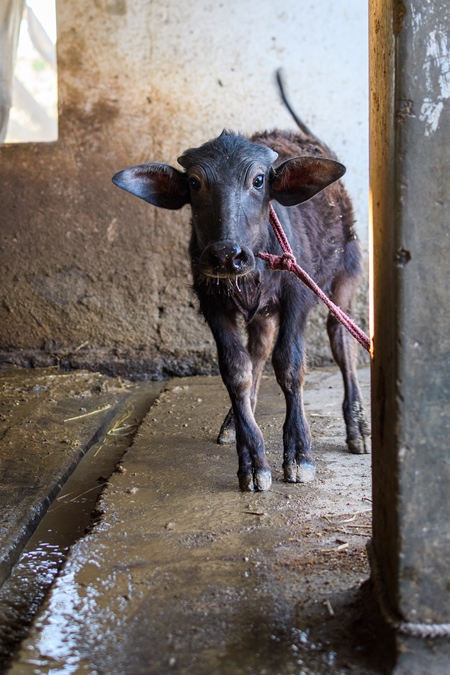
[
  {"x": 227, "y": 433},
  {"x": 306, "y": 471},
  {"x": 246, "y": 483},
  {"x": 357, "y": 446},
  {"x": 303, "y": 471},
  {"x": 226, "y": 436},
  {"x": 290, "y": 473},
  {"x": 263, "y": 480}
]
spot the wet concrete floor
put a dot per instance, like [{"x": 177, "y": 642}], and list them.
[
  {"x": 107, "y": 430},
  {"x": 182, "y": 573},
  {"x": 48, "y": 421}
]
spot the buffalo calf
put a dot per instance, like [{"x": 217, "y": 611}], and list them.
[{"x": 229, "y": 183}]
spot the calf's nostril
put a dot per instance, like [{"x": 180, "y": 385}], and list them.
[{"x": 238, "y": 260}]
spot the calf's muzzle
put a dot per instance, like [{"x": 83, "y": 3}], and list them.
[{"x": 226, "y": 259}]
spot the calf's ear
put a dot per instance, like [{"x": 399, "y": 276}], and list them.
[
  {"x": 300, "y": 178},
  {"x": 159, "y": 184}
]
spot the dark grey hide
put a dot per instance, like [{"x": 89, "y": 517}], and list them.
[{"x": 229, "y": 183}]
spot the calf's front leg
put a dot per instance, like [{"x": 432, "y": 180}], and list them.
[
  {"x": 236, "y": 369},
  {"x": 260, "y": 333},
  {"x": 288, "y": 363}
]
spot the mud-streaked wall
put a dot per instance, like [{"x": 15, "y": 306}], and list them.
[{"x": 93, "y": 276}]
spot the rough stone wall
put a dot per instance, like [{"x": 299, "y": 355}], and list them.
[{"x": 94, "y": 277}]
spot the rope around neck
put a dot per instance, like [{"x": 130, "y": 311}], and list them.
[{"x": 288, "y": 262}]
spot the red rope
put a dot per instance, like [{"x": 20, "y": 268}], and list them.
[{"x": 288, "y": 262}]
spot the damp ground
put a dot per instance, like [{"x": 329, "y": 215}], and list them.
[{"x": 179, "y": 572}]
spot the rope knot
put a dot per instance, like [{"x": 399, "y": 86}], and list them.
[
  {"x": 286, "y": 261},
  {"x": 279, "y": 262}
]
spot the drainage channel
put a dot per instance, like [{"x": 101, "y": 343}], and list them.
[{"x": 66, "y": 521}]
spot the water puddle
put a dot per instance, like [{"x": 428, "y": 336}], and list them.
[{"x": 66, "y": 521}]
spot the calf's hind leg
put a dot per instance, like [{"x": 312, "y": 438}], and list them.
[{"x": 344, "y": 349}]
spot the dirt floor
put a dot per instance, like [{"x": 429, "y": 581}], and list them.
[{"x": 180, "y": 572}]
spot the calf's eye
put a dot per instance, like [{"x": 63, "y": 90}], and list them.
[
  {"x": 258, "y": 181},
  {"x": 195, "y": 184}
]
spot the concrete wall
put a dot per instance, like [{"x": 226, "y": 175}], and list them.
[{"x": 92, "y": 276}]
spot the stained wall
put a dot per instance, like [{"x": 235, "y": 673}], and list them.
[{"x": 94, "y": 277}]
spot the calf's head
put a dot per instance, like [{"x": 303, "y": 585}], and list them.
[{"x": 229, "y": 183}]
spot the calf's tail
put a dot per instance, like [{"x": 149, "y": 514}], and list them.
[{"x": 301, "y": 125}]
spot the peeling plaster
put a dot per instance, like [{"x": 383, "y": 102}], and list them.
[{"x": 437, "y": 76}]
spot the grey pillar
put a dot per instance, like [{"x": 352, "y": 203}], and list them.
[{"x": 410, "y": 194}]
